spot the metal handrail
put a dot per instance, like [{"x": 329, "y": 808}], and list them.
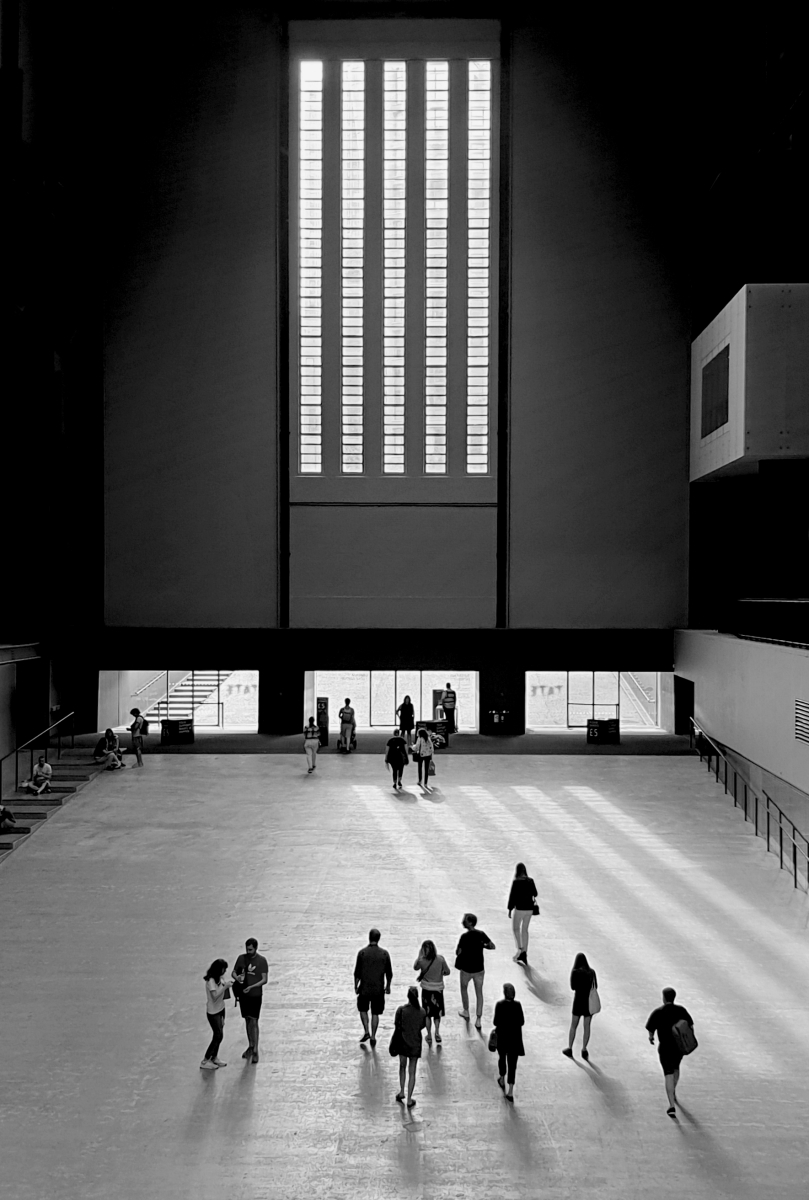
[
  {"x": 160, "y": 675},
  {"x": 29, "y": 746},
  {"x": 771, "y": 809}
]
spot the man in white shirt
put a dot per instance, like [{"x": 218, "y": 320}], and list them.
[{"x": 41, "y": 781}]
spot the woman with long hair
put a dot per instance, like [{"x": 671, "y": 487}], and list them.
[
  {"x": 582, "y": 981},
  {"x": 215, "y": 989},
  {"x": 407, "y": 718},
  {"x": 508, "y": 1021},
  {"x": 433, "y": 968},
  {"x": 423, "y": 755},
  {"x": 408, "y": 1024},
  {"x": 522, "y": 900}
]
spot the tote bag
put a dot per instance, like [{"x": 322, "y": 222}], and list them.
[{"x": 595, "y": 1001}]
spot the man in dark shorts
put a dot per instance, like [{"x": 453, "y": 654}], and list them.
[
  {"x": 251, "y": 970},
  {"x": 372, "y": 978},
  {"x": 662, "y": 1022}
]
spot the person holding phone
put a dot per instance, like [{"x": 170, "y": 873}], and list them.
[
  {"x": 250, "y": 972},
  {"x": 216, "y": 992}
]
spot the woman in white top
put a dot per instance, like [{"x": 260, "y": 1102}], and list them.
[
  {"x": 216, "y": 990},
  {"x": 311, "y": 743},
  {"x": 423, "y": 754},
  {"x": 433, "y": 968}
]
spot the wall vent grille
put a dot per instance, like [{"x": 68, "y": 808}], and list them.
[{"x": 802, "y": 720}]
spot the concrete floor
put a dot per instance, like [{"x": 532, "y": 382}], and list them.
[{"x": 112, "y": 912}]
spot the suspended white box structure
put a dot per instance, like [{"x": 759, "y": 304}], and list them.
[{"x": 750, "y": 382}]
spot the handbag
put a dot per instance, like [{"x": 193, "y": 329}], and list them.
[
  {"x": 493, "y": 1040},
  {"x": 535, "y": 910},
  {"x": 394, "y": 1049},
  {"x": 595, "y": 1000},
  {"x": 431, "y": 766},
  {"x": 227, "y": 994}
]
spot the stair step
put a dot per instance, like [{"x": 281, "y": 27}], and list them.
[
  {"x": 19, "y": 829},
  {"x": 47, "y": 801},
  {"x": 29, "y": 816}
]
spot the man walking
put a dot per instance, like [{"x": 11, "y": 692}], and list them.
[
  {"x": 372, "y": 978},
  {"x": 662, "y": 1022},
  {"x": 449, "y": 702},
  {"x": 348, "y": 724},
  {"x": 251, "y": 971}
]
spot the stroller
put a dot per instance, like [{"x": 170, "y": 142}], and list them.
[{"x": 345, "y": 746}]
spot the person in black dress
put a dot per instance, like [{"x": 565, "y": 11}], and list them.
[
  {"x": 396, "y": 757},
  {"x": 409, "y": 1022},
  {"x": 508, "y": 1021},
  {"x": 521, "y": 901},
  {"x": 582, "y": 981},
  {"x": 662, "y": 1022},
  {"x": 407, "y": 719}
]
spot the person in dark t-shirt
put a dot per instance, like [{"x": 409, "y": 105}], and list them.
[
  {"x": 251, "y": 971},
  {"x": 469, "y": 961},
  {"x": 662, "y": 1022},
  {"x": 372, "y": 979}
]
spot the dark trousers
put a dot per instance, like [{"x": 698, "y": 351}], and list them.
[
  {"x": 217, "y": 1024},
  {"x": 424, "y": 763},
  {"x": 507, "y": 1062},
  {"x": 449, "y": 717}
]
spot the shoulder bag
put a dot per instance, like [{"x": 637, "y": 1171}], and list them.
[
  {"x": 684, "y": 1037},
  {"x": 431, "y": 766},
  {"x": 493, "y": 1040},
  {"x": 595, "y": 1000},
  {"x": 535, "y": 910}
]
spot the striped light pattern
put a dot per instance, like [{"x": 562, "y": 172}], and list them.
[
  {"x": 352, "y": 129},
  {"x": 311, "y": 266},
  {"x": 393, "y": 295},
  {"x": 436, "y": 202},
  {"x": 479, "y": 168}
]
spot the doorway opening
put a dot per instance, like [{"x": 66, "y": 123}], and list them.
[
  {"x": 569, "y": 699},
  {"x": 214, "y": 700},
  {"x": 376, "y": 695}
]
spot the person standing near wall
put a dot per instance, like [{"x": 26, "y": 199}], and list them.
[
  {"x": 407, "y": 718},
  {"x": 311, "y": 743},
  {"x": 449, "y": 702},
  {"x": 136, "y": 729},
  {"x": 469, "y": 961},
  {"x": 508, "y": 1021},
  {"x": 522, "y": 906}
]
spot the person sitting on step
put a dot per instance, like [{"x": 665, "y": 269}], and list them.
[{"x": 41, "y": 779}]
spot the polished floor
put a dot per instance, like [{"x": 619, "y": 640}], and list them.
[{"x": 114, "y": 909}]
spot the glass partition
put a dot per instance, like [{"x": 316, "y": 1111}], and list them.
[{"x": 569, "y": 699}]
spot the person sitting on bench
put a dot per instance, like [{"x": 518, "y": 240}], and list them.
[
  {"x": 108, "y": 751},
  {"x": 8, "y": 821},
  {"x": 41, "y": 781}
]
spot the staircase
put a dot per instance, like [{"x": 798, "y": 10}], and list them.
[
  {"x": 71, "y": 772},
  {"x": 195, "y": 696}
]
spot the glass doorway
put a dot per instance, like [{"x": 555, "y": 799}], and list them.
[
  {"x": 376, "y": 695},
  {"x": 211, "y": 699},
  {"x": 569, "y": 699}
]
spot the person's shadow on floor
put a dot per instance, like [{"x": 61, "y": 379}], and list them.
[
  {"x": 616, "y": 1096},
  {"x": 544, "y": 989}
]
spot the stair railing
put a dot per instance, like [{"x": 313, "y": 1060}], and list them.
[
  {"x": 762, "y": 812},
  {"x": 32, "y": 748}
]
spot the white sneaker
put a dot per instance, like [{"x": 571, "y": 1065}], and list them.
[
  {"x": 217, "y": 1062},
  {"x": 207, "y": 1065}
]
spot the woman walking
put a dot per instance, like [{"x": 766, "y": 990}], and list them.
[
  {"x": 408, "y": 1024},
  {"x": 396, "y": 757},
  {"x": 433, "y": 968},
  {"x": 522, "y": 905},
  {"x": 311, "y": 744},
  {"x": 582, "y": 981},
  {"x": 469, "y": 961},
  {"x": 508, "y": 1021},
  {"x": 215, "y": 989},
  {"x": 407, "y": 718},
  {"x": 423, "y": 755}
]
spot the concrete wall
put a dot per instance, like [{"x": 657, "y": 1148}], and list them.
[
  {"x": 744, "y": 696},
  {"x": 190, "y": 411},
  {"x": 599, "y": 375},
  {"x": 598, "y": 397}
]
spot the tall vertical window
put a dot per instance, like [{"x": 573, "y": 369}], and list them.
[
  {"x": 310, "y": 257},
  {"x": 353, "y": 250},
  {"x": 436, "y": 214},
  {"x": 394, "y": 247},
  {"x": 393, "y": 287},
  {"x": 478, "y": 207}
]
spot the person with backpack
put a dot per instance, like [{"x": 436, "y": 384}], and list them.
[
  {"x": 348, "y": 726},
  {"x": 138, "y": 728},
  {"x": 311, "y": 743},
  {"x": 449, "y": 703},
  {"x": 674, "y": 1027}
]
